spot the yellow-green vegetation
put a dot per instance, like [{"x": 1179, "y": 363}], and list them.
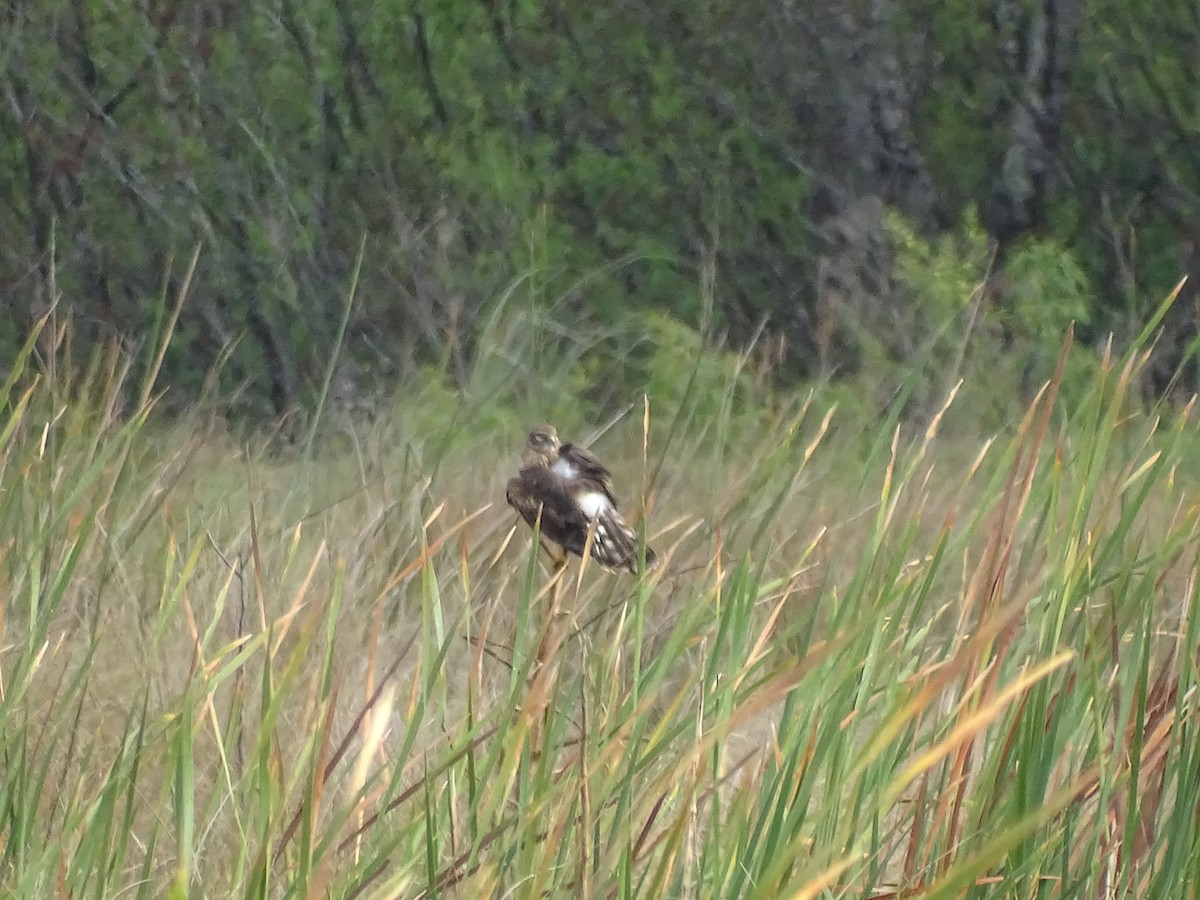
[{"x": 879, "y": 659}]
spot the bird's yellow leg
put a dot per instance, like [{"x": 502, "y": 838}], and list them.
[{"x": 558, "y": 560}]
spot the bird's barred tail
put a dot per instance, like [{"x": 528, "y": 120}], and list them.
[{"x": 615, "y": 544}]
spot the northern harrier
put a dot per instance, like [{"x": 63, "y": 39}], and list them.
[{"x": 569, "y": 488}]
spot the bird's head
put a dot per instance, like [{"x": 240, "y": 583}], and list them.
[{"x": 541, "y": 447}]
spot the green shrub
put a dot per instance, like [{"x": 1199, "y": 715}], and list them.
[{"x": 1001, "y": 331}]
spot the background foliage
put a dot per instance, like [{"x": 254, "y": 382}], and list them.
[{"x": 746, "y": 168}]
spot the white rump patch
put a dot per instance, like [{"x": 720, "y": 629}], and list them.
[
  {"x": 563, "y": 469},
  {"x": 592, "y": 503}
]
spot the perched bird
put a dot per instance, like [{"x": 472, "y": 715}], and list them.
[{"x": 569, "y": 489}]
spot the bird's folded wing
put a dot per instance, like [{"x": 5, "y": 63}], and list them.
[
  {"x": 534, "y": 493},
  {"x": 588, "y": 469}
]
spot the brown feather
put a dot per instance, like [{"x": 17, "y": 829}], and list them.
[{"x": 536, "y": 492}]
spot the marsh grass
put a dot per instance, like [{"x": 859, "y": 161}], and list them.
[{"x": 874, "y": 663}]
